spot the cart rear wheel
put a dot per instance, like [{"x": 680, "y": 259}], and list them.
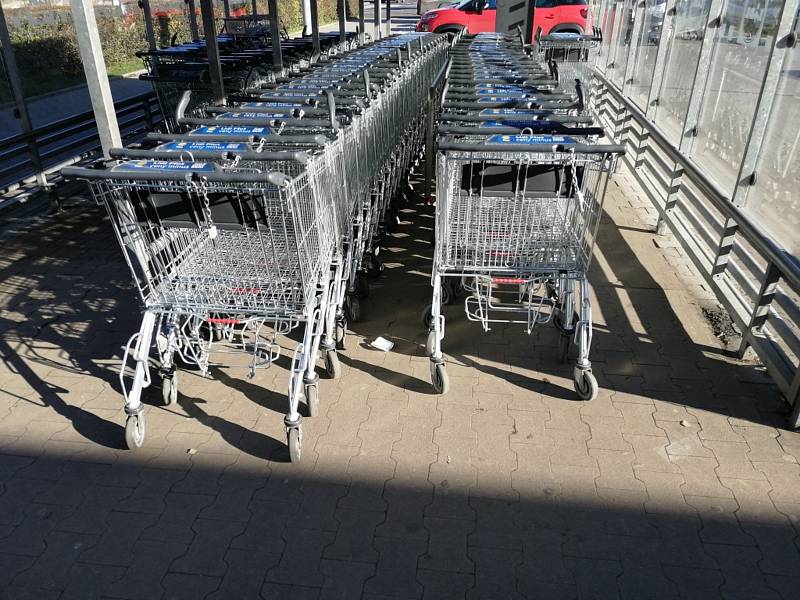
[
  {"x": 564, "y": 343},
  {"x": 293, "y": 440},
  {"x": 353, "y": 309},
  {"x": 134, "y": 431},
  {"x": 448, "y": 293},
  {"x": 427, "y": 317},
  {"x": 332, "y": 364},
  {"x": 312, "y": 399},
  {"x": 586, "y": 385},
  {"x": 362, "y": 287},
  {"x": 441, "y": 382},
  {"x": 340, "y": 333}
]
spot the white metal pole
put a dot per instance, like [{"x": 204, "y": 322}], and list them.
[
  {"x": 306, "y": 6},
  {"x": 96, "y": 76}
]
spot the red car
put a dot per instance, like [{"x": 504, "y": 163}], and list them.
[{"x": 477, "y": 16}]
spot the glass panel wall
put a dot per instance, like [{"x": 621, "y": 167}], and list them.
[
  {"x": 685, "y": 31},
  {"x": 649, "y": 34},
  {"x": 774, "y": 200},
  {"x": 741, "y": 49},
  {"x": 624, "y": 14}
]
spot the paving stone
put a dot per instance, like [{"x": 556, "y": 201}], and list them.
[
  {"x": 353, "y": 541},
  {"x": 148, "y": 496},
  {"x": 184, "y": 586},
  {"x": 495, "y": 573},
  {"x": 264, "y": 531},
  {"x": 175, "y": 523},
  {"x": 245, "y": 575},
  {"x": 598, "y": 579},
  {"x": 444, "y": 585},
  {"x": 319, "y": 506},
  {"x": 700, "y": 477},
  {"x": 494, "y": 524},
  {"x": 784, "y": 479},
  {"x": 786, "y": 587},
  {"x": 16, "y": 498},
  {"x": 207, "y": 550},
  {"x": 720, "y": 525},
  {"x": 695, "y": 584},
  {"x": 300, "y": 561},
  {"x": 395, "y": 575},
  {"x": 447, "y": 545},
  {"x": 90, "y": 582},
  {"x": 12, "y": 565},
  {"x": 28, "y": 537},
  {"x": 650, "y": 453},
  {"x": 150, "y": 563},
  {"x": 739, "y": 567},
  {"x": 344, "y": 580},
  {"x": 733, "y": 460},
  {"x": 51, "y": 570},
  {"x": 616, "y": 470},
  {"x": 278, "y": 591}
]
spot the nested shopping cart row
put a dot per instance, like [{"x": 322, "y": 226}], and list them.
[
  {"x": 246, "y": 55},
  {"x": 521, "y": 176},
  {"x": 263, "y": 216}
]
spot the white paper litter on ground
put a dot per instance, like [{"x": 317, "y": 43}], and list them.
[{"x": 382, "y": 343}]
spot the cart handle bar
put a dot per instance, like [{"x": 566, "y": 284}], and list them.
[
  {"x": 248, "y": 154},
  {"x": 216, "y": 175},
  {"x": 531, "y": 148}
]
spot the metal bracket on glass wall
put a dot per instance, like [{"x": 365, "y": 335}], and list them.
[{"x": 664, "y": 44}]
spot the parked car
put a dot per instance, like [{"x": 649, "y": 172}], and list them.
[
  {"x": 424, "y": 6},
  {"x": 476, "y": 16}
]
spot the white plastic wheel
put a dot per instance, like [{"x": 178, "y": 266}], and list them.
[
  {"x": 169, "y": 389},
  {"x": 312, "y": 399},
  {"x": 295, "y": 444},
  {"x": 332, "y": 364},
  {"x": 586, "y": 385},
  {"x": 134, "y": 431},
  {"x": 430, "y": 342},
  {"x": 353, "y": 309},
  {"x": 340, "y": 335},
  {"x": 439, "y": 378}
]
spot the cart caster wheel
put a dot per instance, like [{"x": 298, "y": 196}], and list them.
[
  {"x": 312, "y": 399},
  {"x": 441, "y": 382},
  {"x": 353, "y": 309},
  {"x": 427, "y": 317},
  {"x": 586, "y": 385},
  {"x": 362, "y": 287},
  {"x": 169, "y": 389},
  {"x": 295, "y": 444},
  {"x": 134, "y": 431},
  {"x": 564, "y": 343},
  {"x": 430, "y": 342},
  {"x": 375, "y": 267},
  {"x": 340, "y": 334},
  {"x": 448, "y": 293},
  {"x": 332, "y": 364}
]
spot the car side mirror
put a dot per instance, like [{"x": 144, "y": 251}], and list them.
[{"x": 480, "y": 5}]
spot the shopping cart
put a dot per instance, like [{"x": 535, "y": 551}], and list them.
[
  {"x": 572, "y": 52},
  {"x": 516, "y": 219},
  {"x": 203, "y": 240}
]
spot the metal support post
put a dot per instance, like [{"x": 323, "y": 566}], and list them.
[
  {"x": 529, "y": 19},
  {"x": 226, "y": 8},
  {"x": 192, "y": 20},
  {"x": 361, "y": 22},
  {"x": 758, "y": 317},
  {"x": 782, "y": 48},
  {"x": 664, "y": 48},
  {"x": 275, "y": 35},
  {"x": 255, "y": 9},
  {"x": 726, "y": 243},
  {"x": 305, "y": 6},
  {"x": 340, "y": 8},
  {"x": 21, "y": 107},
  {"x": 672, "y": 199},
  {"x": 388, "y": 17},
  {"x": 148, "y": 24},
  {"x": 314, "y": 10},
  {"x": 714, "y": 22},
  {"x": 376, "y": 21},
  {"x": 212, "y": 48},
  {"x": 96, "y": 77}
]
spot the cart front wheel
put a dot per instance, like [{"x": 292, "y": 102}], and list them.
[
  {"x": 586, "y": 385},
  {"x": 169, "y": 389},
  {"x": 441, "y": 382},
  {"x": 362, "y": 287},
  {"x": 332, "y": 364},
  {"x": 427, "y": 317},
  {"x": 134, "y": 431},
  {"x": 340, "y": 334},
  {"x": 430, "y": 342},
  {"x": 295, "y": 444}
]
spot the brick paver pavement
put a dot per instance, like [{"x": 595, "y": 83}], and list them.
[{"x": 676, "y": 482}]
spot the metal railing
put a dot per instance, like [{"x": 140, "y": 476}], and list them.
[
  {"x": 30, "y": 156},
  {"x": 754, "y": 277}
]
